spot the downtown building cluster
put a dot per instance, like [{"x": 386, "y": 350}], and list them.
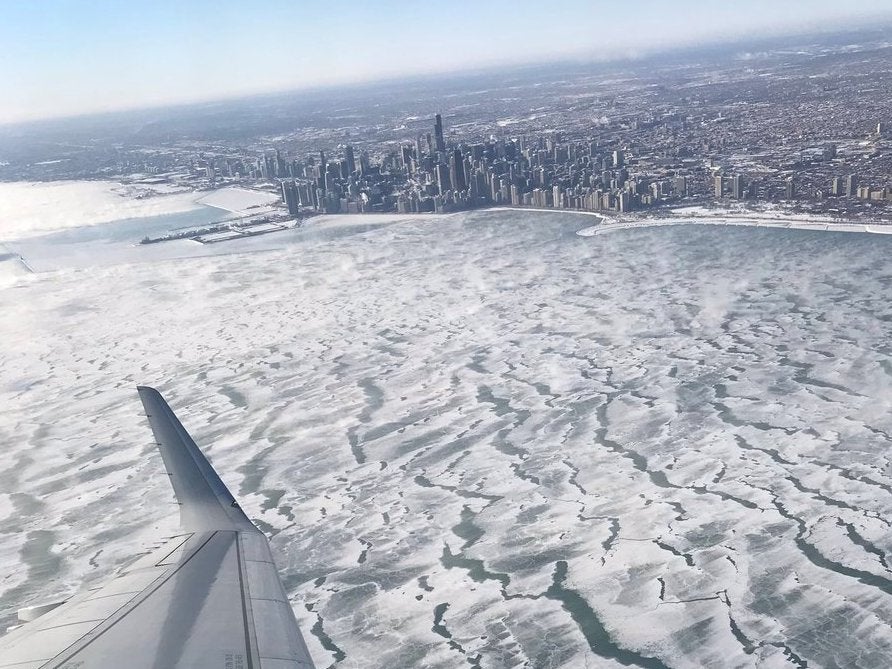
[{"x": 430, "y": 176}]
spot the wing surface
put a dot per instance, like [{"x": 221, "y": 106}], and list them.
[{"x": 209, "y": 597}]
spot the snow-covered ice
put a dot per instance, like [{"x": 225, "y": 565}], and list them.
[
  {"x": 28, "y": 209},
  {"x": 484, "y": 440},
  {"x": 239, "y": 200}
]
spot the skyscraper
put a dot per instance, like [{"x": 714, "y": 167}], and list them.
[
  {"x": 680, "y": 186},
  {"x": 290, "y": 196},
  {"x": 351, "y": 159},
  {"x": 419, "y": 153},
  {"x": 364, "y": 163},
  {"x": 624, "y": 202},
  {"x": 438, "y": 133},
  {"x": 443, "y": 183},
  {"x": 738, "y": 187},
  {"x": 457, "y": 171},
  {"x": 837, "y": 187}
]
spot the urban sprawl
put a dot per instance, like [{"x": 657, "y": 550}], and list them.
[{"x": 801, "y": 128}]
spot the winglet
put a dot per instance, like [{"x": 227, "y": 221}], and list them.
[{"x": 205, "y": 502}]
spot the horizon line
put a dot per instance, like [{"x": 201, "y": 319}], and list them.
[{"x": 867, "y": 23}]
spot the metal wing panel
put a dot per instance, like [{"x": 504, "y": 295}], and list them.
[
  {"x": 211, "y": 609},
  {"x": 205, "y": 502},
  {"x": 277, "y": 635},
  {"x": 208, "y": 599},
  {"x": 50, "y": 634},
  {"x": 193, "y": 618}
]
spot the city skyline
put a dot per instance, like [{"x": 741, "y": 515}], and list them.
[{"x": 65, "y": 58}]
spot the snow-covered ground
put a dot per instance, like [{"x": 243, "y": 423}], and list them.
[
  {"x": 12, "y": 270},
  {"x": 768, "y": 217},
  {"x": 876, "y": 229},
  {"x": 29, "y": 209},
  {"x": 766, "y": 211},
  {"x": 604, "y": 217},
  {"x": 239, "y": 200},
  {"x": 483, "y": 440}
]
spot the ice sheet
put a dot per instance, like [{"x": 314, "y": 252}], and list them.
[
  {"x": 239, "y": 200},
  {"x": 28, "y": 209},
  {"x": 484, "y": 440}
]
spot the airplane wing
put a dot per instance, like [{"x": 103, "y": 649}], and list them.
[{"x": 208, "y": 598}]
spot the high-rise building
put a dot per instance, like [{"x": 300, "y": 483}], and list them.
[
  {"x": 305, "y": 193},
  {"x": 443, "y": 183},
  {"x": 789, "y": 188},
  {"x": 419, "y": 154},
  {"x": 290, "y": 196},
  {"x": 656, "y": 190},
  {"x": 351, "y": 159},
  {"x": 719, "y": 186},
  {"x": 738, "y": 187},
  {"x": 851, "y": 185},
  {"x": 364, "y": 164},
  {"x": 330, "y": 181},
  {"x": 624, "y": 203},
  {"x": 438, "y": 133},
  {"x": 332, "y": 203},
  {"x": 457, "y": 170},
  {"x": 406, "y": 156},
  {"x": 619, "y": 159},
  {"x": 680, "y": 186},
  {"x": 837, "y": 187}
]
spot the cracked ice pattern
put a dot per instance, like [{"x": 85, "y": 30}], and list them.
[{"x": 484, "y": 441}]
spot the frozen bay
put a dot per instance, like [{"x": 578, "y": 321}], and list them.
[{"x": 481, "y": 439}]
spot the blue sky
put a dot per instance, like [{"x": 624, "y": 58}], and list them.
[{"x": 62, "y": 57}]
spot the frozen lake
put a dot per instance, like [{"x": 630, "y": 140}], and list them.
[{"x": 481, "y": 440}]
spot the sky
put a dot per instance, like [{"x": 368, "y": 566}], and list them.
[{"x": 68, "y": 57}]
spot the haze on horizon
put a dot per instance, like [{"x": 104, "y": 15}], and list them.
[{"x": 71, "y": 57}]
